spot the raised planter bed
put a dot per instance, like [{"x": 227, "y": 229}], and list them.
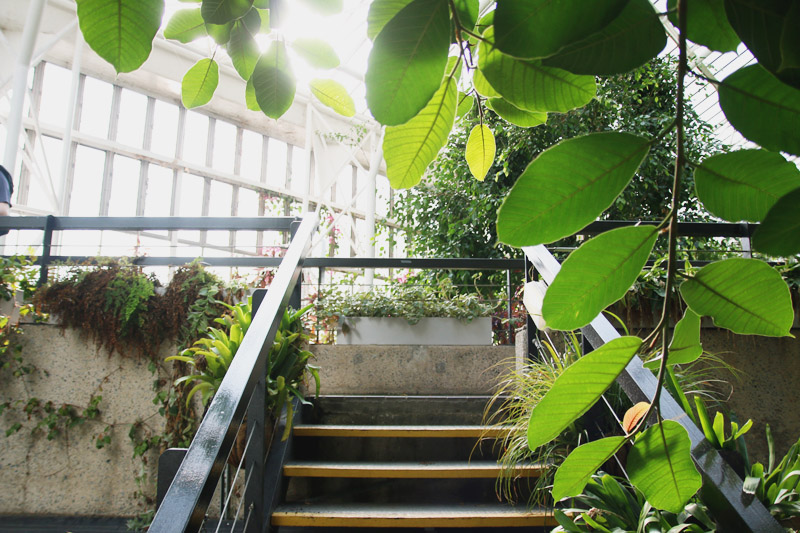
[{"x": 428, "y": 331}]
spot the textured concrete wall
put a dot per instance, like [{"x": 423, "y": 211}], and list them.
[
  {"x": 443, "y": 370},
  {"x": 70, "y": 476}
]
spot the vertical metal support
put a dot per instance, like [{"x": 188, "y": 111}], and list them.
[
  {"x": 320, "y": 282},
  {"x": 75, "y": 90},
  {"x": 256, "y": 451},
  {"x": 25, "y": 174},
  {"x": 177, "y": 178},
  {"x": 353, "y": 192},
  {"x": 47, "y": 241},
  {"x": 212, "y": 127},
  {"x": 14, "y": 122},
  {"x": 372, "y": 193},
  {"x": 144, "y": 168},
  {"x": 263, "y": 179},
  {"x": 108, "y": 169},
  {"x": 69, "y": 177},
  {"x": 509, "y": 302},
  {"x": 306, "y": 186},
  {"x": 747, "y": 249},
  {"x": 296, "y": 299},
  {"x": 530, "y": 327}
]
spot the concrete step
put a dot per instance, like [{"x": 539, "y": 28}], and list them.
[
  {"x": 397, "y": 431},
  {"x": 491, "y": 516},
  {"x": 407, "y": 470}
]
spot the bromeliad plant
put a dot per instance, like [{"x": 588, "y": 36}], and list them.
[{"x": 287, "y": 366}]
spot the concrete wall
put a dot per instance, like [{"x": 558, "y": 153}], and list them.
[{"x": 69, "y": 475}]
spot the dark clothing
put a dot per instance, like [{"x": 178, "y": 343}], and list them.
[{"x": 6, "y": 188}]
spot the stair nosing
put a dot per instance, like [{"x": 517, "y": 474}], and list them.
[
  {"x": 407, "y": 469},
  {"x": 364, "y": 430}
]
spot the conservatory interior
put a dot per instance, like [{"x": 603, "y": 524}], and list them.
[{"x": 409, "y": 265}]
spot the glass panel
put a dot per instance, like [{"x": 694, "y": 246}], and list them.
[
  {"x": 165, "y": 128},
  {"x": 251, "y": 156},
  {"x": 124, "y": 187},
  {"x": 55, "y": 95},
  {"x": 97, "y": 97},
  {"x": 85, "y": 198},
  {"x": 132, "y": 115},
  {"x": 195, "y": 138},
  {"x": 158, "y": 200},
  {"x": 224, "y": 146}
]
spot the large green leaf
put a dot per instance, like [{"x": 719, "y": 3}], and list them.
[
  {"x": 769, "y": 29},
  {"x": 660, "y": 465},
  {"x": 467, "y": 12},
  {"x": 409, "y": 149},
  {"x": 465, "y": 103},
  {"x": 334, "y": 95},
  {"x": 577, "y": 388},
  {"x": 326, "y": 7},
  {"x": 568, "y": 186},
  {"x": 532, "y": 86},
  {"x": 185, "y": 26},
  {"x": 707, "y": 24},
  {"x": 480, "y": 151},
  {"x": 578, "y": 468},
  {"x": 316, "y": 52},
  {"x": 221, "y": 33},
  {"x": 381, "y": 12},
  {"x": 513, "y": 114},
  {"x": 596, "y": 275},
  {"x": 250, "y": 96},
  {"x": 273, "y": 81},
  {"x": 199, "y": 83},
  {"x": 762, "y": 108},
  {"x": 482, "y": 85},
  {"x": 407, "y": 61},
  {"x": 630, "y": 40},
  {"x": 243, "y": 50},
  {"x": 685, "y": 345},
  {"x": 744, "y": 185},
  {"x": 120, "y": 31},
  {"x": 540, "y": 28},
  {"x": 224, "y": 11},
  {"x": 779, "y": 234},
  {"x": 256, "y": 20},
  {"x": 746, "y": 296}
]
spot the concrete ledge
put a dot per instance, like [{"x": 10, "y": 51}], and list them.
[{"x": 395, "y": 369}]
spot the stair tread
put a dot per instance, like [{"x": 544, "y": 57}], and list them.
[
  {"x": 416, "y": 515},
  {"x": 344, "y": 430},
  {"x": 419, "y": 469}
]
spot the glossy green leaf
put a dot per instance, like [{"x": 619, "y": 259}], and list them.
[
  {"x": 224, "y": 11},
  {"x": 746, "y": 296},
  {"x": 250, "y": 96},
  {"x": 409, "y": 149},
  {"x": 243, "y": 50},
  {"x": 185, "y": 26},
  {"x": 577, "y": 388},
  {"x": 779, "y": 234},
  {"x": 707, "y": 24},
  {"x": 480, "y": 151},
  {"x": 467, "y": 12},
  {"x": 660, "y": 465},
  {"x": 316, "y": 52},
  {"x": 381, "y": 12},
  {"x": 334, "y": 95},
  {"x": 596, "y": 275},
  {"x": 685, "y": 345},
  {"x": 579, "y": 466},
  {"x": 745, "y": 184},
  {"x": 273, "y": 81},
  {"x": 221, "y": 33},
  {"x": 326, "y": 7},
  {"x": 568, "y": 186},
  {"x": 465, "y": 103},
  {"x": 630, "y": 40},
  {"x": 253, "y": 20},
  {"x": 769, "y": 29},
  {"x": 407, "y": 62},
  {"x": 513, "y": 114},
  {"x": 532, "y": 86},
  {"x": 199, "y": 83},
  {"x": 120, "y": 31},
  {"x": 540, "y": 28},
  {"x": 762, "y": 108},
  {"x": 482, "y": 85}
]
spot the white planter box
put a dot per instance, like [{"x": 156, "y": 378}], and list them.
[{"x": 426, "y": 332}]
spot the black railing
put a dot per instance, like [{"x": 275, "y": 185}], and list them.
[
  {"x": 242, "y": 390},
  {"x": 724, "y": 495}
]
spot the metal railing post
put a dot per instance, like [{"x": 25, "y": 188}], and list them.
[
  {"x": 296, "y": 299},
  {"x": 510, "y": 297},
  {"x": 530, "y": 328},
  {"x": 256, "y": 451},
  {"x": 47, "y": 241}
]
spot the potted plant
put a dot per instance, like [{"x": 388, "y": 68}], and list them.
[
  {"x": 287, "y": 367},
  {"x": 405, "y": 313}
]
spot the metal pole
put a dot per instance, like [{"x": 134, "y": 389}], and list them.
[
  {"x": 47, "y": 240},
  {"x": 66, "y": 145},
  {"x": 14, "y": 124},
  {"x": 306, "y": 187},
  {"x": 372, "y": 192},
  {"x": 510, "y": 297}
]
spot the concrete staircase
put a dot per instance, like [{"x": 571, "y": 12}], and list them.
[{"x": 399, "y": 462}]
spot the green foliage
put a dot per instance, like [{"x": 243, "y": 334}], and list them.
[
  {"x": 480, "y": 151},
  {"x": 578, "y": 468},
  {"x": 334, "y": 95},
  {"x": 778, "y": 485},
  {"x": 402, "y": 300},
  {"x": 273, "y": 81}
]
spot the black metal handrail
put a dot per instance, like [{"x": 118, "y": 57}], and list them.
[
  {"x": 242, "y": 389},
  {"x": 728, "y": 502}
]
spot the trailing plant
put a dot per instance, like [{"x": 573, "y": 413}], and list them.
[{"x": 402, "y": 300}]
